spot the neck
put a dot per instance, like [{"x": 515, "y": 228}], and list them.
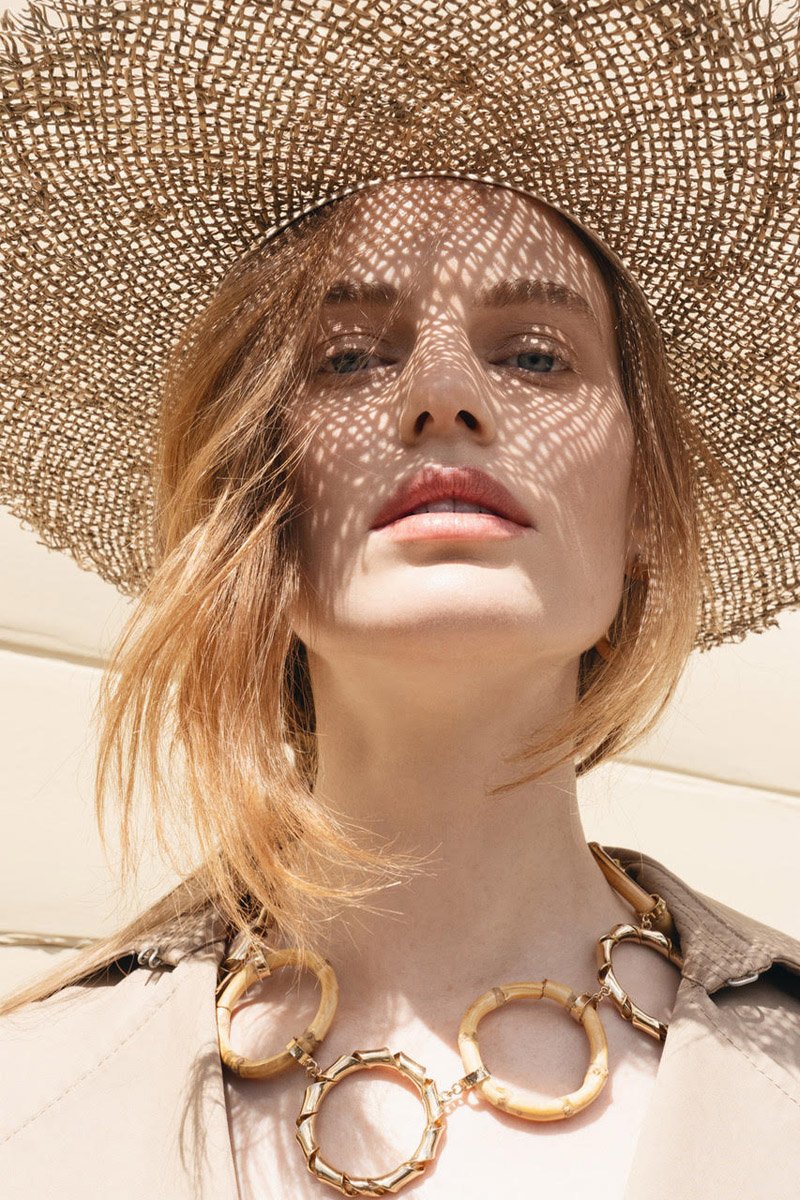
[{"x": 510, "y": 889}]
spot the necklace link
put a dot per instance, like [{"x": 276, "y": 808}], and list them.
[
  {"x": 304, "y": 1058},
  {"x": 576, "y": 1010},
  {"x": 463, "y": 1085},
  {"x": 656, "y": 914}
]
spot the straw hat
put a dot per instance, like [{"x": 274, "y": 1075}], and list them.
[{"x": 144, "y": 147}]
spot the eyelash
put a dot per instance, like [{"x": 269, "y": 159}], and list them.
[{"x": 540, "y": 342}]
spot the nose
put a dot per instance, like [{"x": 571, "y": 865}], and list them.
[{"x": 444, "y": 392}]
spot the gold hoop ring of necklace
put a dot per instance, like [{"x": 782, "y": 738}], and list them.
[{"x": 654, "y": 928}]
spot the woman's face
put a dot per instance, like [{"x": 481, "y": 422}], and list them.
[{"x": 524, "y": 387}]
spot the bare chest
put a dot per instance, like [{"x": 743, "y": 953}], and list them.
[
  {"x": 483, "y": 1152},
  {"x": 372, "y": 1121}
]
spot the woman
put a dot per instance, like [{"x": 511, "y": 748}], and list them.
[{"x": 332, "y": 664}]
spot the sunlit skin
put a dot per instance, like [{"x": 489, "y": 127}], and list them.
[{"x": 432, "y": 659}]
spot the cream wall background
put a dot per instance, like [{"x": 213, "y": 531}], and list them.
[{"x": 715, "y": 793}]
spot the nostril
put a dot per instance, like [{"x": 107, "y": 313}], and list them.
[{"x": 467, "y": 417}]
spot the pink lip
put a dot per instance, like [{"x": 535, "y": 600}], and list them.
[
  {"x": 454, "y": 526},
  {"x": 433, "y": 483}
]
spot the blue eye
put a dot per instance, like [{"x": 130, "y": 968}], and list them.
[
  {"x": 538, "y": 359},
  {"x": 346, "y": 362},
  {"x": 543, "y": 364}
]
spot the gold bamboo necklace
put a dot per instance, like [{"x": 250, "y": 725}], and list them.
[{"x": 246, "y": 964}]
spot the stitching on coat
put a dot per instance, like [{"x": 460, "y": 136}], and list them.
[
  {"x": 694, "y": 908},
  {"x": 714, "y": 1017},
  {"x": 91, "y": 1071}
]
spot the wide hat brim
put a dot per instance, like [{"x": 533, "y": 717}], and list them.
[{"x": 144, "y": 147}]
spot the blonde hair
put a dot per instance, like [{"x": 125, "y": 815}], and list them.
[{"x": 207, "y": 691}]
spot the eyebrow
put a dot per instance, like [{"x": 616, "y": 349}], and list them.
[{"x": 505, "y": 294}]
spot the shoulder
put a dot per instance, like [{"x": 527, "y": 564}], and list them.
[
  {"x": 113, "y": 1086},
  {"x": 728, "y": 1084},
  {"x": 735, "y": 1025},
  {"x": 134, "y": 1008}
]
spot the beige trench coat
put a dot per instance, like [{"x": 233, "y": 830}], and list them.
[{"x": 114, "y": 1091}]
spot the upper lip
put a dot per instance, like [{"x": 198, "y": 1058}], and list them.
[{"x": 433, "y": 483}]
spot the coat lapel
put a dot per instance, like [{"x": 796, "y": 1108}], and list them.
[
  {"x": 116, "y": 1093},
  {"x": 724, "y": 1120},
  {"x": 724, "y": 1115}
]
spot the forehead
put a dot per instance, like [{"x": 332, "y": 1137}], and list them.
[{"x": 442, "y": 236}]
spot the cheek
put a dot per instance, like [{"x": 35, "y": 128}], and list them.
[
  {"x": 582, "y": 467},
  {"x": 604, "y": 455},
  {"x": 580, "y": 450},
  {"x": 334, "y": 486},
  {"x": 344, "y": 441}
]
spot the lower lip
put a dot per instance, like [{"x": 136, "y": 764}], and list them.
[{"x": 455, "y": 526}]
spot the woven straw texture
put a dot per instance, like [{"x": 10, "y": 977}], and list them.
[{"x": 145, "y": 146}]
